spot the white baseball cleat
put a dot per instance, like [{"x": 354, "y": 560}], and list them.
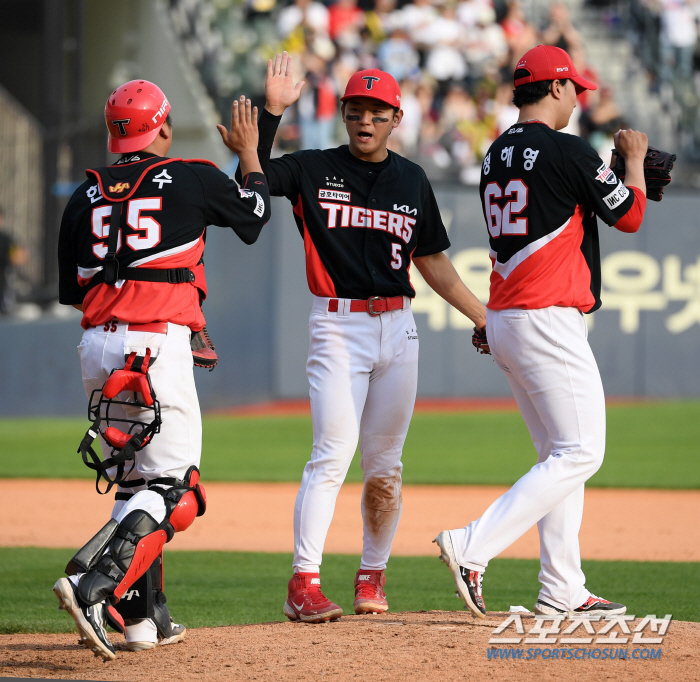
[
  {"x": 593, "y": 606},
  {"x": 177, "y": 636},
  {"x": 89, "y": 620},
  {"x": 468, "y": 581}
]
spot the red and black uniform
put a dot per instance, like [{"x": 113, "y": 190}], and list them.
[
  {"x": 361, "y": 222},
  {"x": 541, "y": 191},
  {"x": 163, "y": 226}
]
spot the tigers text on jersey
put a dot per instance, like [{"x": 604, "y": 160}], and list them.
[
  {"x": 541, "y": 191},
  {"x": 169, "y": 204},
  {"x": 361, "y": 222}
]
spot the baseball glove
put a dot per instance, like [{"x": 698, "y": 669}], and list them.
[
  {"x": 480, "y": 342},
  {"x": 657, "y": 170},
  {"x": 203, "y": 350}
]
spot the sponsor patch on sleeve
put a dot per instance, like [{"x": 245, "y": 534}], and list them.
[
  {"x": 617, "y": 196},
  {"x": 246, "y": 193},
  {"x": 333, "y": 194},
  {"x": 606, "y": 175},
  {"x": 260, "y": 205}
]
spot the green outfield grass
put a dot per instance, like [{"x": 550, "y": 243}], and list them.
[
  {"x": 226, "y": 588},
  {"x": 651, "y": 445}
]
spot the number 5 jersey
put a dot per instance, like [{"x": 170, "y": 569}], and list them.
[
  {"x": 166, "y": 205},
  {"x": 541, "y": 191}
]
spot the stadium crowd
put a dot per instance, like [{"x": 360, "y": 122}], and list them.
[
  {"x": 667, "y": 37},
  {"x": 454, "y": 60}
]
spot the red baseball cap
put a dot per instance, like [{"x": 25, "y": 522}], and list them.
[
  {"x": 375, "y": 84},
  {"x": 548, "y": 63}
]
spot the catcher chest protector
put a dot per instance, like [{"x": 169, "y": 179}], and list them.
[{"x": 130, "y": 576}]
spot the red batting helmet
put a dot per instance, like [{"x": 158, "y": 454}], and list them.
[
  {"x": 135, "y": 113},
  {"x": 375, "y": 84}
]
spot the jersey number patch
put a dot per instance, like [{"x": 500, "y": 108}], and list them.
[
  {"x": 500, "y": 220},
  {"x": 149, "y": 227}
]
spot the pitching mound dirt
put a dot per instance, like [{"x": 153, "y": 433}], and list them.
[{"x": 396, "y": 646}]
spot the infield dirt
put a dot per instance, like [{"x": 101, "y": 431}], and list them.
[
  {"x": 396, "y": 646},
  {"x": 618, "y": 524}
]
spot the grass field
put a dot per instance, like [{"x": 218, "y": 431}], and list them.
[
  {"x": 649, "y": 446},
  {"x": 225, "y": 588}
]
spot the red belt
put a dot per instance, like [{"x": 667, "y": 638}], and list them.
[
  {"x": 374, "y": 305},
  {"x": 155, "y": 327}
]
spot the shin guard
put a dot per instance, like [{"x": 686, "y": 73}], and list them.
[
  {"x": 137, "y": 542},
  {"x": 145, "y": 599}
]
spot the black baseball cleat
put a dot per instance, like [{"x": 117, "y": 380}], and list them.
[
  {"x": 593, "y": 606},
  {"x": 90, "y": 620},
  {"x": 468, "y": 581}
]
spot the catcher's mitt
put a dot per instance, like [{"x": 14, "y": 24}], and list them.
[
  {"x": 203, "y": 350},
  {"x": 657, "y": 170},
  {"x": 480, "y": 342}
]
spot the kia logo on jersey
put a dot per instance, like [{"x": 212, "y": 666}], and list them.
[
  {"x": 120, "y": 124},
  {"x": 370, "y": 81}
]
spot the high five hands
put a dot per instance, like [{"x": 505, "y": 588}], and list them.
[{"x": 280, "y": 91}]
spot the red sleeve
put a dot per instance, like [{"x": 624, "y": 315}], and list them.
[{"x": 632, "y": 220}]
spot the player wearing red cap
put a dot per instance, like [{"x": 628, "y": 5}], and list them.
[
  {"x": 541, "y": 191},
  {"x": 130, "y": 258},
  {"x": 364, "y": 214}
]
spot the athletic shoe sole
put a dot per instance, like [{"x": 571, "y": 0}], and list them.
[
  {"x": 542, "y": 609},
  {"x": 63, "y": 589},
  {"x": 447, "y": 556},
  {"x": 367, "y": 607},
  {"x": 334, "y": 614}
]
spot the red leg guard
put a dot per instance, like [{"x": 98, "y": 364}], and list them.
[
  {"x": 185, "y": 512},
  {"x": 147, "y": 550}
]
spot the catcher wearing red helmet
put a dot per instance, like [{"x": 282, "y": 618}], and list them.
[{"x": 130, "y": 258}]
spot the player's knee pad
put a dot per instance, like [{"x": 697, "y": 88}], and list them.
[
  {"x": 145, "y": 599},
  {"x": 185, "y": 499}
]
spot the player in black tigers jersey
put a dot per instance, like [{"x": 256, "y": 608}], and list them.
[
  {"x": 541, "y": 191},
  {"x": 365, "y": 214}
]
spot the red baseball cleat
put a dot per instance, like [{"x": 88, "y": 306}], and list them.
[
  {"x": 369, "y": 592},
  {"x": 307, "y": 603}
]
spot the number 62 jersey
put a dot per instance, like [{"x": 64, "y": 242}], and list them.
[{"x": 541, "y": 191}]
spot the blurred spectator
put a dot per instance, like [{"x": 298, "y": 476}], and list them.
[
  {"x": 561, "y": 32},
  {"x": 486, "y": 49},
  {"x": 519, "y": 34},
  {"x": 599, "y": 126},
  {"x": 304, "y": 14},
  {"x": 442, "y": 39},
  {"x": 679, "y": 34},
  {"x": 318, "y": 104},
  {"x": 398, "y": 57},
  {"x": 11, "y": 256},
  {"x": 345, "y": 20}
]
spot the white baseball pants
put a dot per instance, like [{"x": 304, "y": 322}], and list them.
[
  {"x": 555, "y": 380},
  {"x": 362, "y": 381},
  {"x": 178, "y": 446}
]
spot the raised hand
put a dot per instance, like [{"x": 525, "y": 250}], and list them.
[
  {"x": 280, "y": 91},
  {"x": 244, "y": 128}
]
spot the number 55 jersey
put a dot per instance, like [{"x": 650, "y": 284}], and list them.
[
  {"x": 541, "y": 191},
  {"x": 166, "y": 205}
]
